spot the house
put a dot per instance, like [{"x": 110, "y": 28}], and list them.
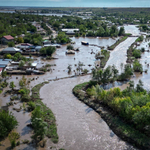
[
  {"x": 1, "y": 69},
  {"x": 37, "y": 48},
  {"x": 70, "y": 31},
  {"x": 4, "y": 63},
  {"x": 46, "y": 42},
  {"x": 11, "y": 50},
  {"x": 6, "y": 39},
  {"x": 24, "y": 46}
]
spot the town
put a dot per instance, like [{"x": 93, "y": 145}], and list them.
[{"x": 72, "y": 78}]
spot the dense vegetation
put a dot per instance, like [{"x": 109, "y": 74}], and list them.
[
  {"x": 16, "y": 24},
  {"x": 48, "y": 51},
  {"x": 132, "y": 103}
]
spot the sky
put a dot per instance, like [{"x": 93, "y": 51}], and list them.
[{"x": 77, "y": 3}]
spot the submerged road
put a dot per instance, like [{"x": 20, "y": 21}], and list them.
[{"x": 119, "y": 54}]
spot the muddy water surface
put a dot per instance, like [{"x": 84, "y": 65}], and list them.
[{"x": 84, "y": 56}]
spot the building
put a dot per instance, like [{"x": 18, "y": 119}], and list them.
[
  {"x": 70, "y": 31},
  {"x": 24, "y": 46},
  {"x": 4, "y": 63},
  {"x": 11, "y": 50},
  {"x": 6, "y": 39},
  {"x": 1, "y": 69}
]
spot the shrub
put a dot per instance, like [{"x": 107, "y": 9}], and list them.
[
  {"x": 13, "y": 136},
  {"x": 31, "y": 105},
  {"x": 47, "y": 50},
  {"x": 70, "y": 47},
  {"x": 7, "y": 56},
  {"x": 142, "y": 49},
  {"x": 136, "y": 53},
  {"x": 137, "y": 67},
  {"x": 40, "y": 127},
  {"x": 11, "y": 44}
]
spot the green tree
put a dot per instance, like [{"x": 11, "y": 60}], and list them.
[
  {"x": 20, "y": 40},
  {"x": 40, "y": 127},
  {"x": 136, "y": 53},
  {"x": 21, "y": 64},
  {"x": 121, "y": 31},
  {"x": 11, "y": 44},
  {"x": 47, "y": 50},
  {"x": 137, "y": 67},
  {"x": 7, "y": 123},
  {"x": 7, "y": 56},
  {"x": 4, "y": 74},
  {"x": 70, "y": 47},
  {"x": 12, "y": 85}
]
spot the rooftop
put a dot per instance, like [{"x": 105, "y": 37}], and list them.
[{"x": 8, "y": 37}]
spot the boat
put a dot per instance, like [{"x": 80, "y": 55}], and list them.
[{"x": 84, "y": 43}]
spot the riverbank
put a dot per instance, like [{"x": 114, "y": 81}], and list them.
[
  {"x": 124, "y": 130},
  {"x": 47, "y": 114}
]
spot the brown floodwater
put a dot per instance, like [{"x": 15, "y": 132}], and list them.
[
  {"x": 132, "y": 29},
  {"x": 145, "y": 61},
  {"x": 84, "y": 56},
  {"x": 119, "y": 54}
]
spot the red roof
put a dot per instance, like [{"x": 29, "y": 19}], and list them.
[
  {"x": 26, "y": 44},
  {"x": 1, "y": 69},
  {"x": 8, "y": 37}
]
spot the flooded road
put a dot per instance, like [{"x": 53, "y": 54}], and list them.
[
  {"x": 132, "y": 29},
  {"x": 79, "y": 127},
  {"x": 119, "y": 54}
]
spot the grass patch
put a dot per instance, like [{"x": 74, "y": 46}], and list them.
[
  {"x": 47, "y": 114},
  {"x": 117, "y": 43}
]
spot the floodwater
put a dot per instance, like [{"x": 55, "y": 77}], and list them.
[
  {"x": 119, "y": 54},
  {"x": 132, "y": 29},
  {"x": 145, "y": 61},
  {"x": 84, "y": 56}
]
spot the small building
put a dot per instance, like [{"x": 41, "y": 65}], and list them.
[
  {"x": 1, "y": 69},
  {"x": 70, "y": 30},
  {"x": 6, "y": 39},
  {"x": 46, "y": 42},
  {"x": 4, "y": 63},
  {"x": 11, "y": 50},
  {"x": 24, "y": 46},
  {"x": 37, "y": 48}
]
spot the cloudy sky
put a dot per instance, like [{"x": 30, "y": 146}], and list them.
[{"x": 77, "y": 3}]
